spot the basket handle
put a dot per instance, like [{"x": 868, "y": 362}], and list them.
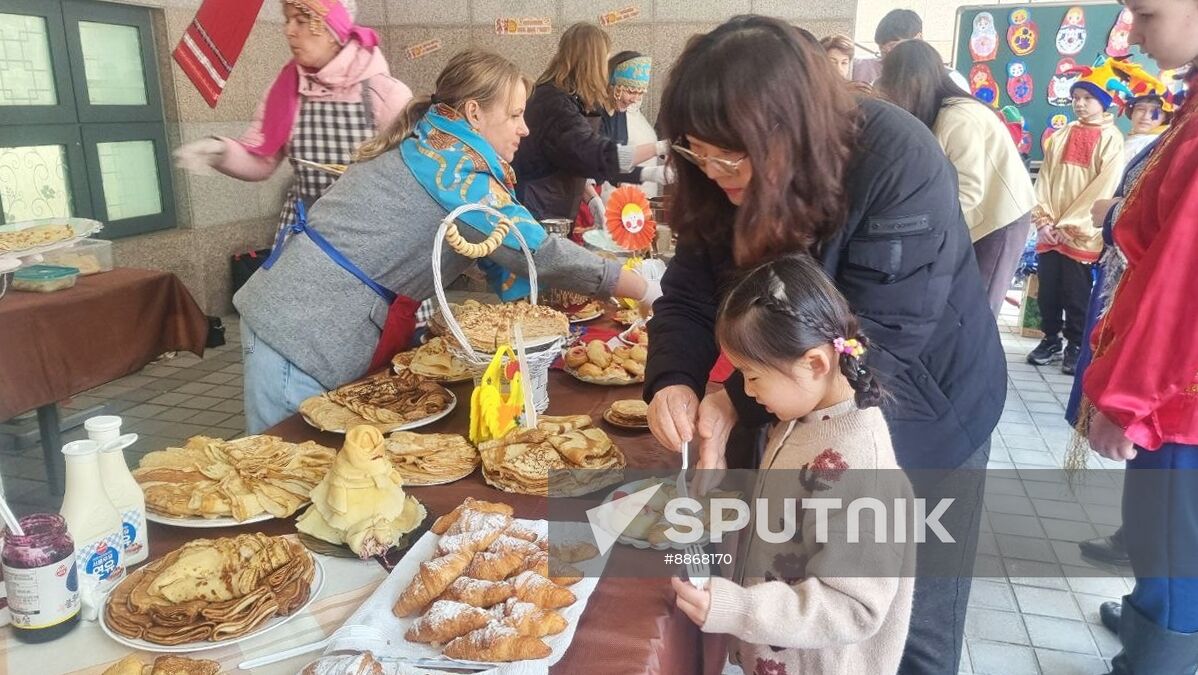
[{"x": 438, "y": 283}]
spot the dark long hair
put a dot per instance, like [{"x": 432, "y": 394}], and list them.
[
  {"x": 781, "y": 310},
  {"x": 766, "y": 88},
  {"x": 914, "y": 78}
]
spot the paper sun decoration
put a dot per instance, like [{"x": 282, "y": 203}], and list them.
[{"x": 630, "y": 220}]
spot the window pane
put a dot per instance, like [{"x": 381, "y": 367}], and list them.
[
  {"x": 129, "y": 172},
  {"x": 33, "y": 183},
  {"x": 26, "y": 75},
  {"x": 112, "y": 63}
]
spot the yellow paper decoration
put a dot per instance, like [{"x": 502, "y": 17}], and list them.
[{"x": 492, "y": 413}]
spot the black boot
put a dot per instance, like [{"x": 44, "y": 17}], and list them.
[
  {"x": 1109, "y": 613},
  {"x": 1069, "y": 360},
  {"x": 1106, "y": 550},
  {"x": 1046, "y": 352},
  {"x": 1149, "y": 649}
]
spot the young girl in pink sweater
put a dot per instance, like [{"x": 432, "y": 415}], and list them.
[{"x": 805, "y": 606}]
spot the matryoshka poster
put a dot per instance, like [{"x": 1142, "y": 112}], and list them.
[
  {"x": 983, "y": 85},
  {"x": 1071, "y": 36},
  {"x": 1024, "y": 34},
  {"x": 983, "y": 43},
  {"x": 1055, "y": 123},
  {"x": 1061, "y": 82},
  {"x": 1118, "y": 44},
  {"x": 1019, "y": 83}
]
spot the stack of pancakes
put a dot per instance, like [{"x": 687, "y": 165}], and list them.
[
  {"x": 630, "y": 413},
  {"x": 489, "y": 326},
  {"x": 212, "y": 590},
  {"x": 431, "y": 459},
  {"x": 581, "y": 458},
  {"x": 383, "y": 400},
  {"x": 212, "y": 478}
]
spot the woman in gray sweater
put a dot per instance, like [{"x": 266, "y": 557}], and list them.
[{"x": 338, "y": 296}]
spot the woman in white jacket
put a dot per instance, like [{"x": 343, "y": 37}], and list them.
[{"x": 994, "y": 186}]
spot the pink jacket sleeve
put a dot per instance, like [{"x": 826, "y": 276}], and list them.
[{"x": 239, "y": 162}]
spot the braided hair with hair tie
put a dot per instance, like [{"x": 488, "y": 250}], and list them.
[{"x": 803, "y": 310}]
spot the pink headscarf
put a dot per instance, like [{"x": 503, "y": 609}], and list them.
[{"x": 282, "y": 101}]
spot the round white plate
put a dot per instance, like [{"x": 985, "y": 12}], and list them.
[
  {"x": 143, "y": 645},
  {"x": 408, "y": 426},
  {"x": 599, "y": 238},
  {"x": 623, "y": 337},
  {"x": 83, "y": 227},
  {"x": 631, "y": 488},
  {"x": 205, "y": 523},
  {"x": 587, "y": 317}
]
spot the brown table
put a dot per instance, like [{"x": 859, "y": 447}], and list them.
[
  {"x": 630, "y": 624},
  {"x": 56, "y": 345}
]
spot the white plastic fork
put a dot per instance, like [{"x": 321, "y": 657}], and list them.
[
  {"x": 698, "y": 572},
  {"x": 680, "y": 482},
  {"x": 365, "y": 638}
]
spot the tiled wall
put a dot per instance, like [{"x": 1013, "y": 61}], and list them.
[{"x": 219, "y": 216}]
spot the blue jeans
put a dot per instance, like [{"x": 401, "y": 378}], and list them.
[
  {"x": 1160, "y": 517},
  {"x": 274, "y": 386}
]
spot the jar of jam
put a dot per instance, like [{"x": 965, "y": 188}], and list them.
[{"x": 41, "y": 579}]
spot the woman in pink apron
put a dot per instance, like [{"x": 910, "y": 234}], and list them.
[{"x": 334, "y": 94}]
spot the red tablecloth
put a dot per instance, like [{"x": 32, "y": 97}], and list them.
[{"x": 56, "y": 345}]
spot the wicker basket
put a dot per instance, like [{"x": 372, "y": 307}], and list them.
[{"x": 540, "y": 356}]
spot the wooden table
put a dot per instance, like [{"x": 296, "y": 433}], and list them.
[
  {"x": 56, "y": 345},
  {"x": 630, "y": 624}
]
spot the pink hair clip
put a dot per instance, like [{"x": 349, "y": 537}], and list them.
[{"x": 850, "y": 347}]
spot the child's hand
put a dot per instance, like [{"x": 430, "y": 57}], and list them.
[
  {"x": 693, "y": 602},
  {"x": 1048, "y": 235}
]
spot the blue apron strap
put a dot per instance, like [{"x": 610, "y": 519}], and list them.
[{"x": 301, "y": 225}]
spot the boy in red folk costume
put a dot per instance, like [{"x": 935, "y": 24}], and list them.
[
  {"x": 1082, "y": 164},
  {"x": 1141, "y": 389}
]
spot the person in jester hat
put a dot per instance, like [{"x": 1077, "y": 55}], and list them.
[
  {"x": 1139, "y": 402},
  {"x": 336, "y": 93},
  {"x": 1082, "y": 164},
  {"x": 336, "y": 299}
]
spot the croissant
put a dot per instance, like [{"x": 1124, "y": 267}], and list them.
[
  {"x": 430, "y": 581},
  {"x": 528, "y": 619},
  {"x": 471, "y": 542},
  {"x": 563, "y": 574},
  {"x": 478, "y": 592},
  {"x": 479, "y": 520},
  {"x": 521, "y": 532},
  {"x": 538, "y": 563},
  {"x": 493, "y": 566},
  {"x": 534, "y": 588},
  {"x": 446, "y": 620},
  {"x": 469, "y": 504},
  {"x": 496, "y": 642},
  {"x": 574, "y": 552}
]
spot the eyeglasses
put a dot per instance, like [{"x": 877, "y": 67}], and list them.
[{"x": 724, "y": 167}]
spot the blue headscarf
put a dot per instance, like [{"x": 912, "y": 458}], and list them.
[{"x": 456, "y": 166}]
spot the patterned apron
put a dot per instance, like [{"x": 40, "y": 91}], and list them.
[{"x": 327, "y": 133}]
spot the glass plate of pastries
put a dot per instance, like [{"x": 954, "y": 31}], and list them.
[
  {"x": 212, "y": 592},
  {"x": 386, "y": 401},
  {"x": 211, "y": 482},
  {"x": 597, "y": 363}
]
